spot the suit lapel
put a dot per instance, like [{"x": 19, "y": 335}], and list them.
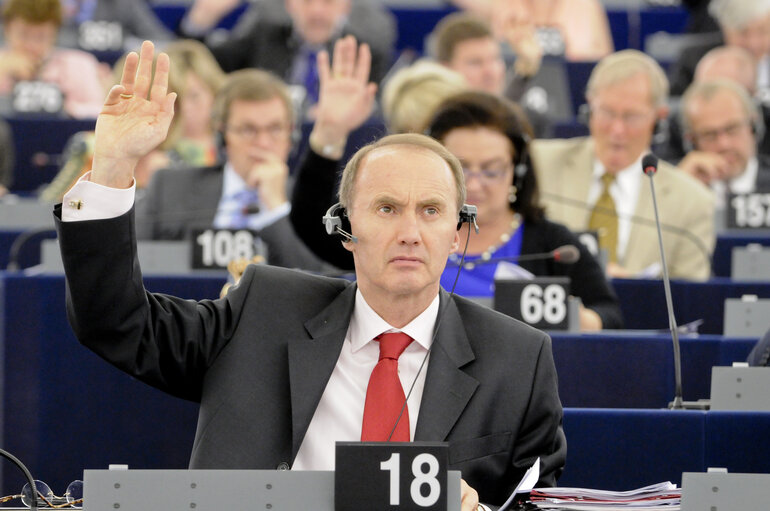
[
  {"x": 447, "y": 387},
  {"x": 576, "y": 182},
  {"x": 311, "y": 362}
]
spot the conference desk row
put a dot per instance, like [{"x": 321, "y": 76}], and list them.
[{"x": 64, "y": 409}]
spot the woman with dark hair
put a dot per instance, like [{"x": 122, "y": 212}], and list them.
[{"x": 490, "y": 136}]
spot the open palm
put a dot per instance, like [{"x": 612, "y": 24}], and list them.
[{"x": 135, "y": 118}]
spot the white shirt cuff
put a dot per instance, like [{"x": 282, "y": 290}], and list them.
[{"x": 92, "y": 201}]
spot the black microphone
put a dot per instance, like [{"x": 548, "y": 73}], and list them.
[
  {"x": 565, "y": 254},
  {"x": 650, "y": 167}
]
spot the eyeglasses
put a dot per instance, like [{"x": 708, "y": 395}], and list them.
[
  {"x": 731, "y": 130},
  {"x": 72, "y": 498},
  {"x": 629, "y": 119},
  {"x": 488, "y": 174},
  {"x": 250, "y": 132}
]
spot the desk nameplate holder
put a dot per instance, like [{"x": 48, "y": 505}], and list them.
[
  {"x": 721, "y": 491},
  {"x": 215, "y": 490},
  {"x": 740, "y": 389},
  {"x": 155, "y": 257},
  {"x": 25, "y": 214},
  {"x": 746, "y": 316},
  {"x": 750, "y": 263}
]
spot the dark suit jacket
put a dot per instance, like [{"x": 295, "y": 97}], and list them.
[
  {"x": 259, "y": 359},
  {"x": 181, "y": 199},
  {"x": 683, "y": 70}
]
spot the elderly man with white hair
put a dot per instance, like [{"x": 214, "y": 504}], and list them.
[
  {"x": 596, "y": 182},
  {"x": 743, "y": 23}
]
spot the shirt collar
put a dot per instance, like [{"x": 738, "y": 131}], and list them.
[
  {"x": 746, "y": 182},
  {"x": 366, "y": 324},
  {"x": 626, "y": 178},
  {"x": 232, "y": 183}
]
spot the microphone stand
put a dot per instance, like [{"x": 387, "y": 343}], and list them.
[
  {"x": 677, "y": 403},
  {"x": 649, "y": 167}
]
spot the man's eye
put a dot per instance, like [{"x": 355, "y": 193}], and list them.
[
  {"x": 385, "y": 209},
  {"x": 431, "y": 211}
]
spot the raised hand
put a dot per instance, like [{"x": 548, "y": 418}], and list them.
[
  {"x": 134, "y": 120},
  {"x": 514, "y": 24},
  {"x": 346, "y": 97}
]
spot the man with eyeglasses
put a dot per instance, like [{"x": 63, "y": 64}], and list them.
[
  {"x": 253, "y": 117},
  {"x": 596, "y": 182},
  {"x": 720, "y": 121}
]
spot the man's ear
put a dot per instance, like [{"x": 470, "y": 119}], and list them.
[
  {"x": 662, "y": 112},
  {"x": 456, "y": 242}
]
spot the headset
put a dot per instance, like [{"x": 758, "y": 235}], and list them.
[{"x": 336, "y": 222}]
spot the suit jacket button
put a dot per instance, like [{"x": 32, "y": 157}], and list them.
[{"x": 282, "y": 466}]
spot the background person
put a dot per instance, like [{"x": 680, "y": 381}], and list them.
[
  {"x": 719, "y": 119},
  {"x": 490, "y": 136},
  {"x": 596, "y": 183},
  {"x": 30, "y": 53}
]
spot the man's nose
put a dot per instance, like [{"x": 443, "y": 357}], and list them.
[{"x": 408, "y": 229}]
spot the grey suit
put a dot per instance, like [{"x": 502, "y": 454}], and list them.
[
  {"x": 259, "y": 360},
  {"x": 686, "y": 207},
  {"x": 179, "y": 200}
]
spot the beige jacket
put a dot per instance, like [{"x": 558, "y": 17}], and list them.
[{"x": 564, "y": 169}]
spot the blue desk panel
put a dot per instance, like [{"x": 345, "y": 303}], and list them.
[
  {"x": 643, "y": 302},
  {"x": 636, "y": 370},
  {"x": 29, "y": 254},
  {"x": 625, "y": 449},
  {"x": 726, "y": 241},
  {"x": 39, "y": 142},
  {"x": 64, "y": 409}
]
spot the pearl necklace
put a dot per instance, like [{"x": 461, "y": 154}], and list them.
[{"x": 487, "y": 254}]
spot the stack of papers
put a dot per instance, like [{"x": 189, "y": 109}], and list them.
[{"x": 662, "y": 496}]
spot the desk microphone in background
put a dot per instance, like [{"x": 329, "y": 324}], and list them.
[
  {"x": 650, "y": 167},
  {"x": 565, "y": 254}
]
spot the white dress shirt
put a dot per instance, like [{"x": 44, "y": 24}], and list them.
[
  {"x": 625, "y": 192},
  {"x": 340, "y": 412}
]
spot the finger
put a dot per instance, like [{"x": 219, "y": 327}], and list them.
[
  {"x": 129, "y": 72},
  {"x": 322, "y": 62},
  {"x": 168, "y": 104},
  {"x": 113, "y": 97},
  {"x": 337, "y": 57},
  {"x": 364, "y": 64},
  {"x": 144, "y": 72},
  {"x": 160, "y": 81},
  {"x": 348, "y": 56}
]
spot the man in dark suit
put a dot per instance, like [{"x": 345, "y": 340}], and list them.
[
  {"x": 281, "y": 364},
  {"x": 720, "y": 122},
  {"x": 253, "y": 115}
]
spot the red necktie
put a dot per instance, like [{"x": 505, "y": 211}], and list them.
[{"x": 384, "y": 395}]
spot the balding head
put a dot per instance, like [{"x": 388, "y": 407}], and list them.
[{"x": 730, "y": 62}]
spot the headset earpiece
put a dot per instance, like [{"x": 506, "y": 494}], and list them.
[
  {"x": 468, "y": 215},
  {"x": 337, "y": 224}
]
